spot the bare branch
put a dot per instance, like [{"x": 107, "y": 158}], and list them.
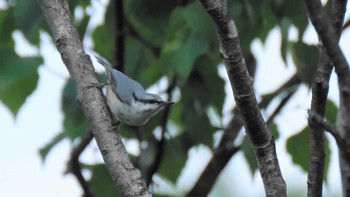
[
  {"x": 74, "y": 164},
  {"x": 120, "y": 36},
  {"x": 80, "y": 67},
  {"x": 221, "y": 156},
  {"x": 258, "y": 133},
  {"x": 346, "y": 24},
  {"x": 161, "y": 143},
  {"x": 328, "y": 36},
  {"x": 318, "y": 105},
  {"x": 333, "y": 130}
]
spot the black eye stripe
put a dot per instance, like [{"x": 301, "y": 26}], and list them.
[{"x": 151, "y": 101}]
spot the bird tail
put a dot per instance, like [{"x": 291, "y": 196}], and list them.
[{"x": 103, "y": 62}]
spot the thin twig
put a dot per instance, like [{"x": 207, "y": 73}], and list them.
[
  {"x": 162, "y": 141},
  {"x": 346, "y": 24},
  {"x": 333, "y": 130},
  {"x": 74, "y": 164},
  {"x": 120, "y": 36},
  {"x": 280, "y": 106},
  {"x": 221, "y": 156}
]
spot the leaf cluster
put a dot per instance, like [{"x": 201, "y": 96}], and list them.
[{"x": 163, "y": 38}]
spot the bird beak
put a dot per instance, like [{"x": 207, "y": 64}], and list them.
[{"x": 167, "y": 103}]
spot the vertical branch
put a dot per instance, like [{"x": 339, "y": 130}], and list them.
[
  {"x": 318, "y": 106},
  {"x": 162, "y": 141},
  {"x": 329, "y": 39},
  {"x": 120, "y": 35},
  {"x": 258, "y": 133},
  {"x": 330, "y": 54},
  {"x": 226, "y": 148},
  {"x": 80, "y": 68}
]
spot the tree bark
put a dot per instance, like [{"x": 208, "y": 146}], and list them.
[
  {"x": 241, "y": 83},
  {"x": 80, "y": 68},
  {"x": 318, "y": 106}
]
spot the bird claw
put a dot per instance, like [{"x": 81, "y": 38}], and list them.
[
  {"x": 97, "y": 85},
  {"x": 115, "y": 127}
]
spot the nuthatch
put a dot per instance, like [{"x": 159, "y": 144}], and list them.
[{"x": 128, "y": 100}]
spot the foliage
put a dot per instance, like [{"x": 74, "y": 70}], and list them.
[{"x": 187, "y": 46}]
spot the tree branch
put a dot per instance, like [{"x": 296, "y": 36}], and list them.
[
  {"x": 289, "y": 86},
  {"x": 74, "y": 164},
  {"x": 221, "y": 156},
  {"x": 120, "y": 36},
  {"x": 333, "y": 130},
  {"x": 225, "y": 148},
  {"x": 161, "y": 143},
  {"x": 80, "y": 68},
  {"x": 318, "y": 105},
  {"x": 346, "y": 24},
  {"x": 258, "y": 133},
  {"x": 329, "y": 35}
]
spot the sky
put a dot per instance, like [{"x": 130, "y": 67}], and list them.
[{"x": 23, "y": 173}]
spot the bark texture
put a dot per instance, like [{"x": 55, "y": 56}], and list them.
[
  {"x": 318, "y": 106},
  {"x": 329, "y": 38},
  {"x": 241, "y": 83},
  {"x": 80, "y": 68}
]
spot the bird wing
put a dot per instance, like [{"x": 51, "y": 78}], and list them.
[{"x": 123, "y": 86}]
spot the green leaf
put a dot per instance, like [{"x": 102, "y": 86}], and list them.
[
  {"x": 104, "y": 41},
  {"x": 75, "y": 123},
  {"x": 198, "y": 20},
  {"x": 28, "y": 17},
  {"x": 175, "y": 157},
  {"x": 198, "y": 127},
  {"x": 75, "y": 3},
  {"x": 295, "y": 11},
  {"x": 18, "y": 76},
  {"x": 176, "y": 115},
  {"x": 44, "y": 151},
  {"x": 331, "y": 112},
  {"x": 298, "y": 148},
  {"x": 6, "y": 20},
  {"x": 101, "y": 182},
  {"x": 327, "y": 159},
  {"x": 249, "y": 154},
  {"x": 274, "y": 130},
  {"x": 141, "y": 63},
  {"x": 82, "y": 26},
  {"x": 181, "y": 53},
  {"x": 306, "y": 59},
  {"x": 211, "y": 91},
  {"x": 285, "y": 25},
  {"x": 150, "y": 18},
  {"x": 104, "y": 36}
]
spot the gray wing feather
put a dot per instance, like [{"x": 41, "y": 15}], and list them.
[{"x": 123, "y": 86}]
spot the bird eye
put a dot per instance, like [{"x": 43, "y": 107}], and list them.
[{"x": 152, "y": 101}]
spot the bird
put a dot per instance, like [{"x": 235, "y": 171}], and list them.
[{"x": 127, "y": 99}]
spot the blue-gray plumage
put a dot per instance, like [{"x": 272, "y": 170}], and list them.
[{"x": 127, "y": 99}]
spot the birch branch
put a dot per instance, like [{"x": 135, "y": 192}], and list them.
[{"x": 80, "y": 68}]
